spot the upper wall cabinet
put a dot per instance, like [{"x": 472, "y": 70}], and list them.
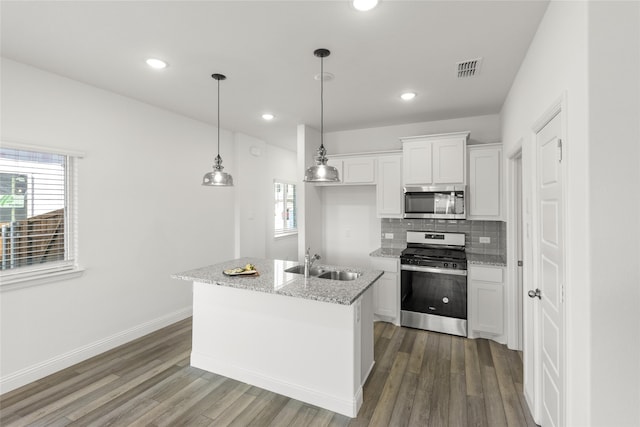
[
  {"x": 359, "y": 170},
  {"x": 353, "y": 169},
  {"x": 435, "y": 159},
  {"x": 389, "y": 188},
  {"x": 485, "y": 182}
]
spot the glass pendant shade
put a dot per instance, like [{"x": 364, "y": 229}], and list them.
[
  {"x": 321, "y": 172},
  {"x": 218, "y": 178}
]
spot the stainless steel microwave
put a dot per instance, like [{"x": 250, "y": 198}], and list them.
[{"x": 443, "y": 202}]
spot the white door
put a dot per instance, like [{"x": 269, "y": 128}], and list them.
[{"x": 549, "y": 276}]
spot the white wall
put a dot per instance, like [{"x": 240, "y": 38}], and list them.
[
  {"x": 142, "y": 216},
  {"x": 614, "y": 174},
  {"x": 282, "y": 166},
  {"x": 310, "y": 222},
  {"x": 252, "y": 196},
  {"x": 568, "y": 57},
  {"x": 554, "y": 67},
  {"x": 484, "y": 129},
  {"x": 351, "y": 227}
]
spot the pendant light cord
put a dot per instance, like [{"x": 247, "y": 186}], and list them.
[
  {"x": 322, "y": 102},
  {"x": 218, "y": 117}
]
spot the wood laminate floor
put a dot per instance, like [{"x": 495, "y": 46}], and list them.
[{"x": 420, "y": 379}]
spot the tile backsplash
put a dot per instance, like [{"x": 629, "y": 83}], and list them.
[{"x": 495, "y": 231}]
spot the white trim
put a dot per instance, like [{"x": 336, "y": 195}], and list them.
[
  {"x": 28, "y": 279},
  {"x": 360, "y": 154},
  {"x": 364, "y": 379},
  {"x": 289, "y": 233},
  {"x": 514, "y": 312},
  {"x": 40, "y": 370},
  {"x": 42, "y": 148},
  {"x": 339, "y": 404}
]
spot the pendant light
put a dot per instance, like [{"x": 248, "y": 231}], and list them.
[
  {"x": 321, "y": 172},
  {"x": 218, "y": 178}
]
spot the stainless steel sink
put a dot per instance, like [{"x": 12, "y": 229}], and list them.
[
  {"x": 340, "y": 275},
  {"x": 323, "y": 273},
  {"x": 299, "y": 269}
]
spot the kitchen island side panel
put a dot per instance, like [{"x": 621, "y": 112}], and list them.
[{"x": 307, "y": 350}]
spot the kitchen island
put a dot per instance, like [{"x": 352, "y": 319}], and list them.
[{"x": 307, "y": 338}]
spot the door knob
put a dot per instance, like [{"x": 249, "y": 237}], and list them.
[{"x": 535, "y": 294}]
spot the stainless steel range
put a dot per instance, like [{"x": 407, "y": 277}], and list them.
[{"x": 433, "y": 287}]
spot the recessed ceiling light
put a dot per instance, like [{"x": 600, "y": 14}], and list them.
[
  {"x": 408, "y": 96},
  {"x": 268, "y": 116},
  {"x": 326, "y": 77},
  {"x": 156, "y": 64},
  {"x": 364, "y": 5}
]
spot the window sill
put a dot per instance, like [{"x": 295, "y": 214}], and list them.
[
  {"x": 287, "y": 234},
  {"x": 27, "y": 280}
]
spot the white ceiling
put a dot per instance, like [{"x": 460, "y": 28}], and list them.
[{"x": 265, "y": 48}]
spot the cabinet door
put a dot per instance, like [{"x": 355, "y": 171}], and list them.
[
  {"x": 389, "y": 188},
  {"x": 416, "y": 162},
  {"x": 386, "y": 295},
  {"x": 449, "y": 161},
  {"x": 485, "y": 182},
  {"x": 486, "y": 299},
  {"x": 358, "y": 170},
  {"x": 488, "y": 310}
]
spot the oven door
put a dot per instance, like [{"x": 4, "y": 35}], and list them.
[{"x": 434, "y": 299}]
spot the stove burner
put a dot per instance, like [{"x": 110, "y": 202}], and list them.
[{"x": 433, "y": 255}]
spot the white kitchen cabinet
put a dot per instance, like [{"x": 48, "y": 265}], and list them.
[
  {"x": 353, "y": 169},
  {"x": 449, "y": 160},
  {"x": 416, "y": 162},
  {"x": 435, "y": 159},
  {"x": 486, "y": 307},
  {"x": 359, "y": 170},
  {"x": 386, "y": 290},
  {"x": 389, "y": 187},
  {"x": 485, "y": 182}
]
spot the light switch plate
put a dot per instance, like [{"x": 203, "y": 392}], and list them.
[
  {"x": 485, "y": 239},
  {"x": 388, "y": 235}
]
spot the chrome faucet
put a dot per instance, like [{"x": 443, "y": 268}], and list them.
[{"x": 308, "y": 262}]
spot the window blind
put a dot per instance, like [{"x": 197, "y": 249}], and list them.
[{"x": 33, "y": 209}]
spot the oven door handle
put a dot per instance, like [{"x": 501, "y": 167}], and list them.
[{"x": 420, "y": 269}]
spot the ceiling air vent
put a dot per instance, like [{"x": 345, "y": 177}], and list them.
[{"x": 468, "y": 68}]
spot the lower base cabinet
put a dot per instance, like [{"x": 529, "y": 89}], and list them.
[
  {"x": 386, "y": 290},
  {"x": 486, "y": 307}
]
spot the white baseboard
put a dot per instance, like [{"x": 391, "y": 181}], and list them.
[
  {"x": 62, "y": 361},
  {"x": 366, "y": 377},
  {"x": 345, "y": 405}
]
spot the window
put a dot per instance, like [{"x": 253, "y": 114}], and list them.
[
  {"x": 286, "y": 221},
  {"x": 36, "y": 216}
]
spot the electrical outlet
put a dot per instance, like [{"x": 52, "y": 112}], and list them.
[
  {"x": 485, "y": 240},
  {"x": 388, "y": 235}
]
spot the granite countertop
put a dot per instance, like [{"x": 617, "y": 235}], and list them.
[
  {"x": 483, "y": 259},
  {"x": 274, "y": 280},
  {"x": 387, "y": 252},
  {"x": 472, "y": 258}
]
